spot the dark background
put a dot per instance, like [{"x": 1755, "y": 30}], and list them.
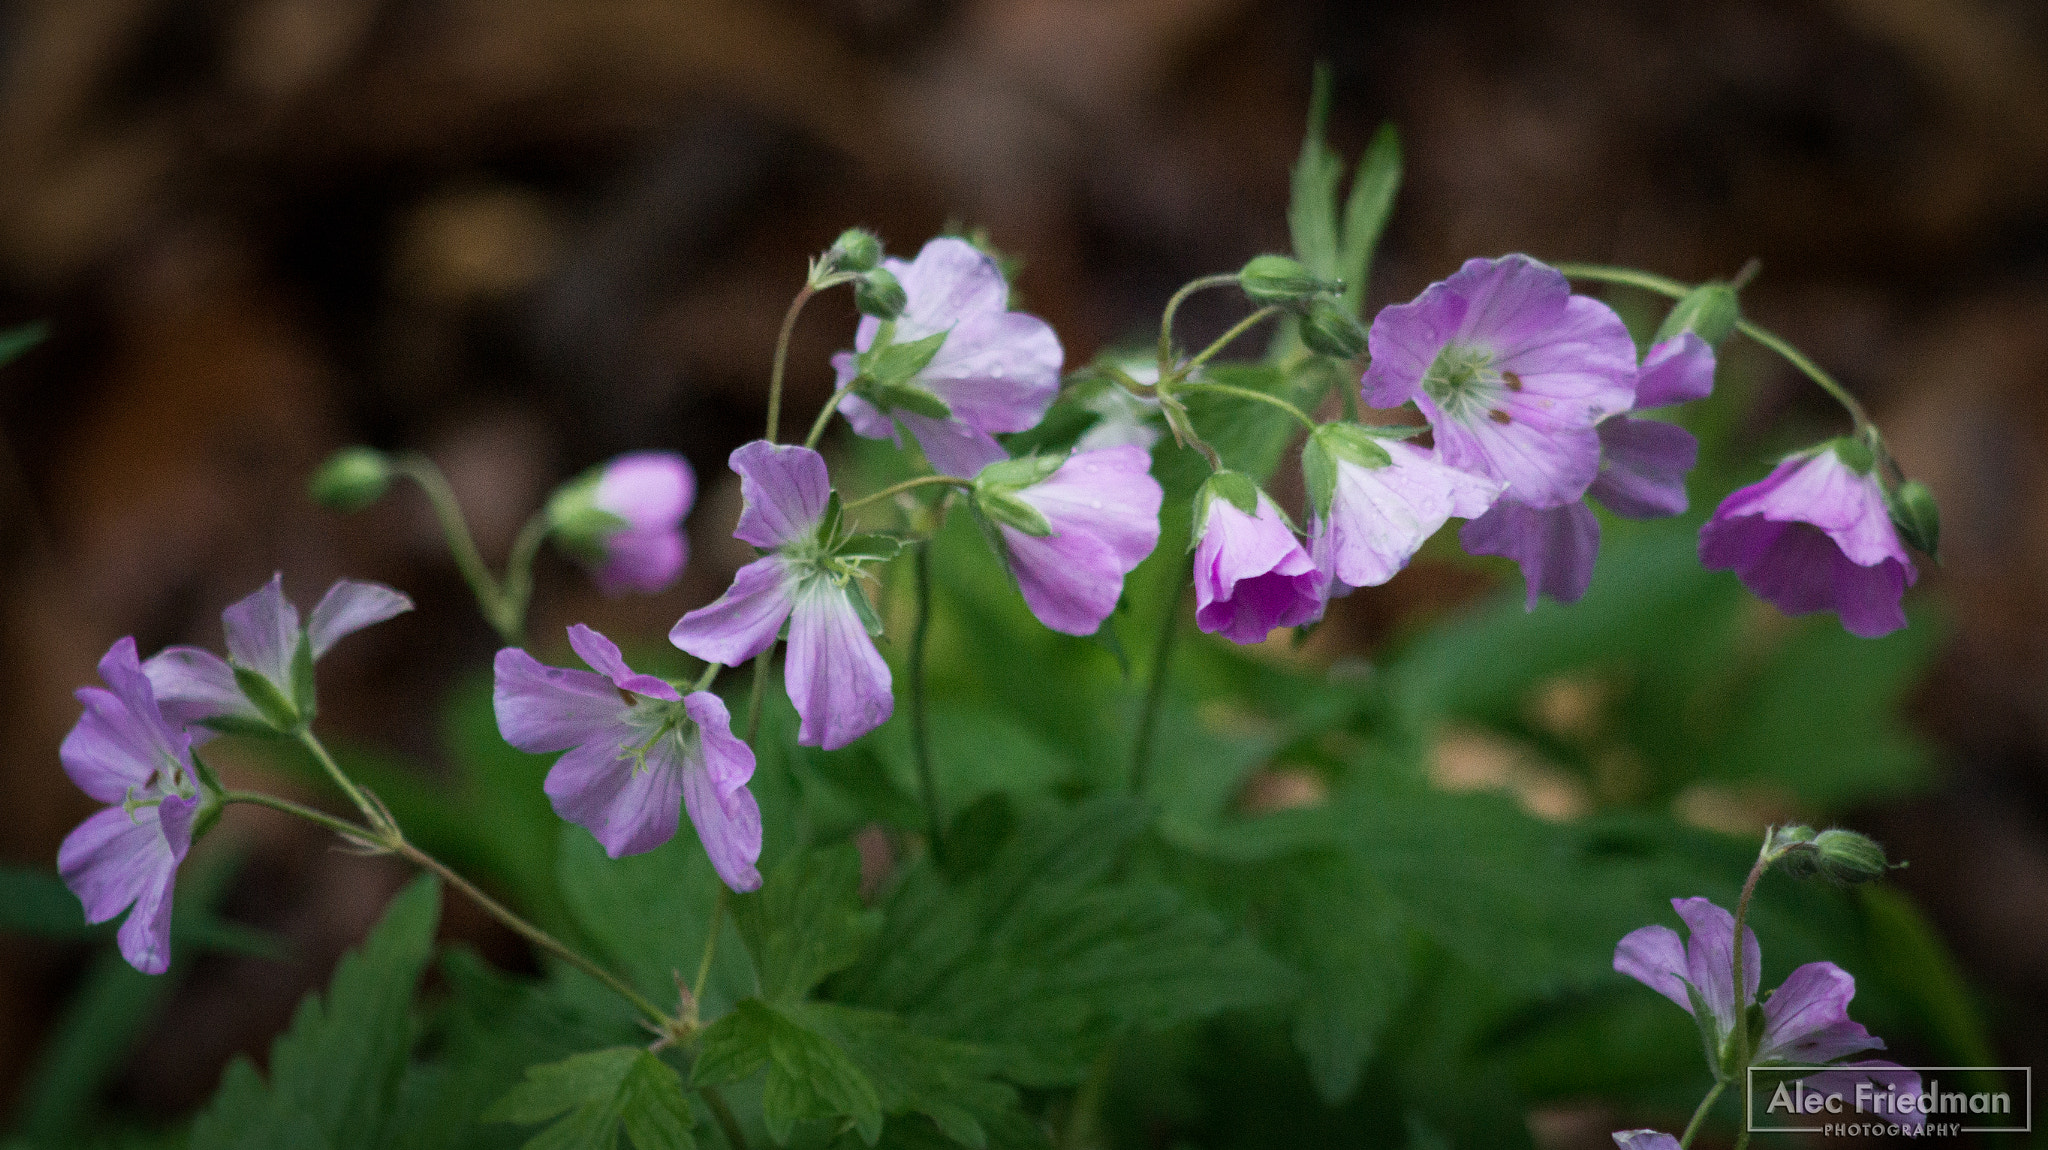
[{"x": 523, "y": 236}]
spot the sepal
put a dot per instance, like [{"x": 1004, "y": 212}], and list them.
[
  {"x": 1330, "y": 329},
  {"x": 270, "y": 702},
  {"x": 1916, "y": 515},
  {"x": 1006, "y": 508},
  {"x": 1709, "y": 311},
  {"x": 856, "y": 250},
  {"x": 578, "y": 524},
  {"x": 1284, "y": 280}
]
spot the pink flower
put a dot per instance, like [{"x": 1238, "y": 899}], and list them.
[
  {"x": 1101, "y": 513},
  {"x": 1376, "y": 501},
  {"x": 1814, "y": 535},
  {"x": 651, "y": 491},
  {"x": 1251, "y": 574}
]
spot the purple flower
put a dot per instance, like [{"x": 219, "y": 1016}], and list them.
[
  {"x": 651, "y": 491},
  {"x": 995, "y": 370},
  {"x": 1806, "y": 1020},
  {"x": 637, "y": 750},
  {"x": 1643, "y": 465},
  {"x": 809, "y": 578},
  {"x": 1814, "y": 536},
  {"x": 1380, "y": 500},
  {"x": 124, "y": 752},
  {"x": 1101, "y": 509},
  {"x": 1644, "y": 1140},
  {"x": 196, "y": 686},
  {"x": 1251, "y": 574},
  {"x": 1513, "y": 372}
]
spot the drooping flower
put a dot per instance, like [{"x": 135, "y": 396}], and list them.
[
  {"x": 638, "y": 751},
  {"x": 1805, "y": 1021},
  {"x": 956, "y": 366},
  {"x": 1082, "y": 526},
  {"x": 808, "y": 577},
  {"x": 1513, "y": 372},
  {"x": 1375, "y": 501},
  {"x": 126, "y": 753},
  {"x": 1814, "y": 535},
  {"x": 1251, "y": 574},
  {"x": 275, "y": 654},
  {"x": 651, "y": 491},
  {"x": 1642, "y": 468}
]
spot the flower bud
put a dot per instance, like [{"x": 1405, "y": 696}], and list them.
[
  {"x": 351, "y": 479},
  {"x": 1847, "y": 857},
  {"x": 1793, "y": 847},
  {"x": 1271, "y": 279},
  {"x": 1330, "y": 329},
  {"x": 877, "y": 293},
  {"x": 1914, "y": 513},
  {"x": 1709, "y": 311},
  {"x": 578, "y": 524},
  {"x": 856, "y": 250}
]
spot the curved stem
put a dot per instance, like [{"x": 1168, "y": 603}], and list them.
[
  {"x": 1247, "y": 393},
  {"x": 920, "y": 733},
  {"x": 710, "y": 949},
  {"x": 1648, "y": 281},
  {"x": 825, "y": 417},
  {"x": 757, "y": 692},
  {"x": 782, "y": 359},
  {"x": 342, "y": 827},
  {"x": 1222, "y": 341},
  {"x": 1764, "y": 859},
  {"x": 705, "y": 680},
  {"x": 1700, "y": 1115},
  {"x": 371, "y": 811},
  {"x": 454, "y": 528},
  {"x": 1155, "y": 692},
  {"x": 720, "y": 1112},
  {"x": 517, "y": 592},
  {"x": 1221, "y": 279},
  {"x": 907, "y": 485}
]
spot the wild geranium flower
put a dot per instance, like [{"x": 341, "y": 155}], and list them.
[
  {"x": 1814, "y": 536},
  {"x": 1805, "y": 1021},
  {"x": 809, "y": 577},
  {"x": 1513, "y": 372},
  {"x": 126, "y": 753},
  {"x": 638, "y": 749},
  {"x": 642, "y": 497},
  {"x": 1072, "y": 528},
  {"x": 1643, "y": 464},
  {"x": 956, "y": 366},
  {"x": 266, "y": 682},
  {"x": 1374, "y": 502},
  {"x": 1251, "y": 574}
]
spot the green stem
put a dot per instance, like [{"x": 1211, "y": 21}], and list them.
[
  {"x": 1700, "y": 1115},
  {"x": 782, "y": 359},
  {"x": 722, "y": 1113},
  {"x": 371, "y": 811},
  {"x": 1155, "y": 692},
  {"x": 1222, "y": 341},
  {"x": 461, "y": 545},
  {"x": 1247, "y": 393},
  {"x": 518, "y": 587},
  {"x": 910, "y": 484},
  {"x": 920, "y": 733},
  {"x": 1764, "y": 859},
  {"x": 1221, "y": 279},
  {"x": 705, "y": 680},
  {"x": 710, "y": 949},
  {"x": 825, "y": 417},
  {"x": 342, "y": 827},
  {"x": 757, "y": 692}
]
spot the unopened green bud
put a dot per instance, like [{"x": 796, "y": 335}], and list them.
[
  {"x": 351, "y": 479},
  {"x": 1792, "y": 846},
  {"x": 1709, "y": 311},
  {"x": 1847, "y": 857},
  {"x": 578, "y": 524},
  {"x": 856, "y": 250},
  {"x": 877, "y": 293},
  {"x": 1282, "y": 280},
  {"x": 1914, "y": 513},
  {"x": 1330, "y": 329}
]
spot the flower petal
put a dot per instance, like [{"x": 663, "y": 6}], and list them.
[
  {"x": 1644, "y": 464},
  {"x": 998, "y": 371},
  {"x": 646, "y": 562},
  {"x": 1807, "y": 1018},
  {"x": 193, "y": 684},
  {"x": 1070, "y": 580},
  {"x": 952, "y": 446},
  {"x": 1645, "y": 1140},
  {"x": 1381, "y": 516},
  {"x": 350, "y": 606},
  {"x": 1822, "y": 490},
  {"x": 122, "y": 740},
  {"x": 785, "y": 490},
  {"x": 629, "y": 811},
  {"x": 542, "y": 709},
  {"x": 949, "y": 281},
  {"x": 1888, "y": 1077},
  {"x": 834, "y": 675},
  {"x": 1251, "y": 574},
  {"x": 744, "y": 621},
  {"x": 1108, "y": 493},
  {"x": 651, "y": 490},
  {"x": 1555, "y": 546},
  {"x": 1677, "y": 370},
  {"x": 603, "y": 656},
  {"x": 1710, "y": 957},
  {"x": 114, "y": 860},
  {"x": 1655, "y": 957},
  {"x": 263, "y": 632},
  {"x": 723, "y": 810}
]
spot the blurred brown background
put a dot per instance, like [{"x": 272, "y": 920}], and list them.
[{"x": 524, "y": 235}]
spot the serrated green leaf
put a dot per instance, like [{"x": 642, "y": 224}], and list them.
[
  {"x": 590, "y": 1098},
  {"x": 809, "y": 1076},
  {"x": 806, "y": 921}
]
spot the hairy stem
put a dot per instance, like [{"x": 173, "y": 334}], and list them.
[
  {"x": 908, "y": 485},
  {"x": 825, "y": 417},
  {"x": 461, "y": 544},
  {"x": 1700, "y": 1115},
  {"x": 1227, "y": 338},
  {"x": 782, "y": 360},
  {"x": 1221, "y": 279},
  {"x": 1248, "y": 393},
  {"x": 371, "y": 810},
  {"x": 920, "y": 733},
  {"x": 342, "y": 827}
]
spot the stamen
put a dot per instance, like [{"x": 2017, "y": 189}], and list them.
[
  {"x": 1514, "y": 381},
  {"x": 1499, "y": 416}
]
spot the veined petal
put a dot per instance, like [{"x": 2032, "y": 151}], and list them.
[
  {"x": 1546, "y": 458},
  {"x": 1677, "y": 370},
  {"x": 1807, "y": 1018},
  {"x": 1645, "y": 1140},
  {"x": 1555, "y": 546},
  {"x": 727, "y": 818},
  {"x": 834, "y": 675},
  {"x": 115, "y": 860},
  {"x": 1251, "y": 574},
  {"x": 122, "y": 740},
  {"x": 1070, "y": 580},
  {"x": 997, "y": 371},
  {"x": 263, "y": 632},
  {"x": 952, "y": 446},
  {"x": 542, "y": 709},
  {"x": 744, "y": 621},
  {"x": 1404, "y": 341},
  {"x": 628, "y": 810},
  {"x": 651, "y": 490},
  {"x": 1655, "y": 957},
  {"x": 1584, "y": 362},
  {"x": 603, "y": 656},
  {"x": 949, "y": 281},
  {"x": 1888, "y": 1077},
  {"x": 1380, "y": 516},
  {"x": 1108, "y": 493},
  {"x": 785, "y": 490},
  {"x": 350, "y": 606},
  {"x": 193, "y": 684},
  {"x": 1822, "y": 490},
  {"x": 646, "y": 562},
  {"x": 1710, "y": 957},
  {"x": 1644, "y": 464}
]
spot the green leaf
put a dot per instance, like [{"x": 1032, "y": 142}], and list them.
[
  {"x": 1011, "y": 511},
  {"x": 806, "y": 921},
  {"x": 906, "y": 397},
  {"x": 1366, "y": 212},
  {"x": 335, "y": 1073},
  {"x": 809, "y": 1076},
  {"x": 16, "y": 341},
  {"x": 897, "y": 363},
  {"x": 268, "y": 698},
  {"x": 1312, "y": 205},
  {"x": 591, "y": 1098}
]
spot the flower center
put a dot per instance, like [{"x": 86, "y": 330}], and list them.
[
  {"x": 1463, "y": 382},
  {"x": 658, "y": 719}
]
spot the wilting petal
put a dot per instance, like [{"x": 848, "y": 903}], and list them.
[
  {"x": 1644, "y": 464},
  {"x": 542, "y": 709},
  {"x": 1655, "y": 957},
  {"x": 603, "y": 656},
  {"x": 834, "y": 675},
  {"x": 1807, "y": 1018},
  {"x": 1554, "y": 546},
  {"x": 349, "y": 607},
  {"x": 1710, "y": 958},
  {"x": 723, "y": 810},
  {"x": 952, "y": 446},
  {"x": 193, "y": 684},
  {"x": 785, "y": 490},
  {"x": 744, "y": 621},
  {"x": 263, "y": 632},
  {"x": 628, "y": 810},
  {"x": 1677, "y": 370},
  {"x": 650, "y": 490}
]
